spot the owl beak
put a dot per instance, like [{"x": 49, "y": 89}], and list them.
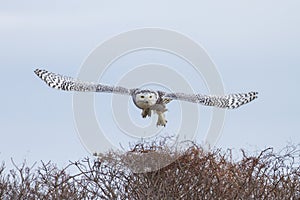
[{"x": 147, "y": 102}]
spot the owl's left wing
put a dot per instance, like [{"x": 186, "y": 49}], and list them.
[
  {"x": 230, "y": 101},
  {"x": 61, "y": 82}
]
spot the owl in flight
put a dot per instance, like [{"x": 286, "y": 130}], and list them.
[{"x": 146, "y": 100}]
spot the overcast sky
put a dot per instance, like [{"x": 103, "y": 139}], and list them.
[{"x": 255, "y": 45}]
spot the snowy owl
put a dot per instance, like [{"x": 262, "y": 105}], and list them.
[{"x": 146, "y": 100}]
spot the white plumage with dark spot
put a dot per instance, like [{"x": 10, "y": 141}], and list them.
[{"x": 146, "y": 100}]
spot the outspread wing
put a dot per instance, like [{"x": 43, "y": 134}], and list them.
[
  {"x": 60, "y": 82},
  {"x": 230, "y": 101}
]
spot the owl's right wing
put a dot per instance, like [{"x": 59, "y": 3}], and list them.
[
  {"x": 60, "y": 82},
  {"x": 230, "y": 101}
]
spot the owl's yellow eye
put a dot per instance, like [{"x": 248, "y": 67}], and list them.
[
  {"x": 150, "y": 96},
  {"x": 142, "y": 96}
]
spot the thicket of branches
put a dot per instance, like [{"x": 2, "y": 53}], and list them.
[{"x": 146, "y": 172}]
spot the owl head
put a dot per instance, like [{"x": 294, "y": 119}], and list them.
[{"x": 145, "y": 98}]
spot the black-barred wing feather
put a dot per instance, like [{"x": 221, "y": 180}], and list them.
[
  {"x": 230, "y": 101},
  {"x": 60, "y": 82}
]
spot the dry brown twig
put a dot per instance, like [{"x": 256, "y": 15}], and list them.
[{"x": 193, "y": 174}]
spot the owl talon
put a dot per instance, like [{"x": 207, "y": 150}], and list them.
[
  {"x": 146, "y": 112},
  {"x": 161, "y": 121}
]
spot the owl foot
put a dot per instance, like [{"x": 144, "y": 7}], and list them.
[
  {"x": 161, "y": 121},
  {"x": 146, "y": 112}
]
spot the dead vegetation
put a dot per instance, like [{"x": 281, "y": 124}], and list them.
[{"x": 146, "y": 172}]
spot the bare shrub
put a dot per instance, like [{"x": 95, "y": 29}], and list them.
[{"x": 193, "y": 174}]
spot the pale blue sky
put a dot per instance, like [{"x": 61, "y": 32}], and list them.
[{"x": 254, "y": 44}]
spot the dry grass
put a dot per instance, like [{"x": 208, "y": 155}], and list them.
[{"x": 193, "y": 174}]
